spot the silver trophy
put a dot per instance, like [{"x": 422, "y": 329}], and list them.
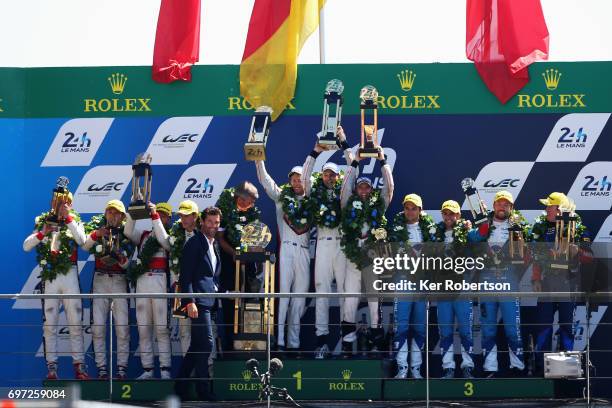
[
  {"x": 255, "y": 147},
  {"x": 141, "y": 187},
  {"x": 478, "y": 210},
  {"x": 332, "y": 113},
  {"x": 369, "y": 132}
]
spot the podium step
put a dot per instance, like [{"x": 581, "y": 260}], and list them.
[
  {"x": 334, "y": 380},
  {"x": 474, "y": 389}
]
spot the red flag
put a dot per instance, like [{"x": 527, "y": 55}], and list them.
[
  {"x": 503, "y": 37},
  {"x": 177, "y": 40}
]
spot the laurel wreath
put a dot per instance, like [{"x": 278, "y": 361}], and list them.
[
  {"x": 233, "y": 220},
  {"x": 399, "y": 233},
  {"x": 460, "y": 232},
  {"x": 176, "y": 239},
  {"x": 297, "y": 210},
  {"x": 325, "y": 202},
  {"x": 55, "y": 263},
  {"x": 138, "y": 268},
  {"x": 357, "y": 213},
  {"x": 125, "y": 244}
]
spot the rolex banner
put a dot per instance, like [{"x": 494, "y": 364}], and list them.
[{"x": 438, "y": 124}]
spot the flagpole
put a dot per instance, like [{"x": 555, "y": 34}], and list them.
[{"x": 322, "y": 36}]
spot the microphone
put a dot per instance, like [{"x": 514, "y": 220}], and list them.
[
  {"x": 253, "y": 366},
  {"x": 275, "y": 366}
]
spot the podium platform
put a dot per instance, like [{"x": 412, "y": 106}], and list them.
[{"x": 332, "y": 380}]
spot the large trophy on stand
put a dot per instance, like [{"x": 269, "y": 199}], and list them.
[
  {"x": 565, "y": 235},
  {"x": 332, "y": 113},
  {"x": 255, "y": 147},
  {"x": 478, "y": 210},
  {"x": 141, "y": 187},
  {"x": 369, "y": 131},
  {"x": 61, "y": 195},
  {"x": 254, "y": 318}
]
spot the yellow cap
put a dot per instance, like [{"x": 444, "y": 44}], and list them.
[
  {"x": 117, "y": 205},
  {"x": 414, "y": 199},
  {"x": 554, "y": 199},
  {"x": 451, "y": 205},
  {"x": 188, "y": 207},
  {"x": 164, "y": 207},
  {"x": 505, "y": 195}
]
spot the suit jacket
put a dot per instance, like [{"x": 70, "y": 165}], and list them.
[{"x": 197, "y": 275}]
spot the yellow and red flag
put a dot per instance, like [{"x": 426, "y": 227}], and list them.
[{"x": 277, "y": 31}]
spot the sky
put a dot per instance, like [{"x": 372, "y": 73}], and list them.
[{"x": 39, "y": 33}]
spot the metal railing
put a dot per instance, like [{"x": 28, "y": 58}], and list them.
[{"x": 582, "y": 296}]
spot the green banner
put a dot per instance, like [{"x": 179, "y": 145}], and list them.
[{"x": 214, "y": 90}]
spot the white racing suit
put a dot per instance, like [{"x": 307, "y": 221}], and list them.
[
  {"x": 63, "y": 283},
  {"x": 109, "y": 279},
  {"x": 352, "y": 281},
  {"x": 152, "y": 313},
  {"x": 294, "y": 260},
  {"x": 184, "y": 324},
  {"x": 330, "y": 261}
]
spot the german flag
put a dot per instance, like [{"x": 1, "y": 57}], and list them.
[{"x": 277, "y": 32}]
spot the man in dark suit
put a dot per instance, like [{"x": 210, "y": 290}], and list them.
[{"x": 200, "y": 267}]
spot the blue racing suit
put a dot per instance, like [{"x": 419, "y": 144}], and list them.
[
  {"x": 448, "y": 310},
  {"x": 556, "y": 280},
  {"x": 499, "y": 268},
  {"x": 410, "y": 313}
]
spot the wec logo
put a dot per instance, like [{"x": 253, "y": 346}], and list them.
[
  {"x": 196, "y": 189},
  {"x": 505, "y": 183},
  {"x": 112, "y": 186},
  {"x": 184, "y": 138}
]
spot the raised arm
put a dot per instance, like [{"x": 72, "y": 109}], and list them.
[
  {"x": 307, "y": 168},
  {"x": 388, "y": 187},
  {"x": 161, "y": 235},
  {"x": 271, "y": 188},
  {"x": 77, "y": 230},
  {"x": 130, "y": 230},
  {"x": 349, "y": 183}
]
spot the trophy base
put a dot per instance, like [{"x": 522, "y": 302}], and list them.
[
  {"x": 558, "y": 265},
  {"x": 109, "y": 260},
  {"x": 52, "y": 221},
  {"x": 254, "y": 151},
  {"x": 328, "y": 142},
  {"x": 368, "y": 152},
  {"x": 179, "y": 314},
  {"x": 139, "y": 211},
  {"x": 254, "y": 255},
  {"x": 251, "y": 341},
  {"x": 480, "y": 221}
]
